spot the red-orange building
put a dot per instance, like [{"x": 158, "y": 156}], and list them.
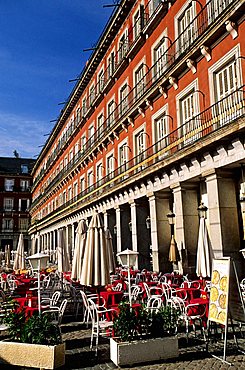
[{"x": 155, "y": 123}]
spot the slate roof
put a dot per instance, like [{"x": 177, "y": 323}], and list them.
[{"x": 16, "y": 166}]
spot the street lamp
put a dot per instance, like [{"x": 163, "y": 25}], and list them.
[
  {"x": 128, "y": 258},
  {"x": 243, "y": 252},
  {"x": 38, "y": 261},
  {"x": 130, "y": 225},
  {"x": 173, "y": 251},
  {"x": 148, "y": 222},
  {"x": 202, "y": 211}
]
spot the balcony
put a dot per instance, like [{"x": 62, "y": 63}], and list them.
[
  {"x": 173, "y": 61},
  {"x": 214, "y": 123}
]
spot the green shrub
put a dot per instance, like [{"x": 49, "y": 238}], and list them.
[{"x": 37, "y": 329}]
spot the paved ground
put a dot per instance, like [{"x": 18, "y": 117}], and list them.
[{"x": 193, "y": 356}]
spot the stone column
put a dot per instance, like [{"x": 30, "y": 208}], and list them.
[
  {"x": 154, "y": 236},
  {"x": 186, "y": 223},
  {"x": 106, "y": 215},
  {"x": 222, "y": 213},
  {"x": 73, "y": 237},
  {"x": 134, "y": 228},
  {"x": 118, "y": 225}
]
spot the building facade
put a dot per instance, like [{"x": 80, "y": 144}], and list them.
[
  {"x": 15, "y": 201},
  {"x": 155, "y": 123}
]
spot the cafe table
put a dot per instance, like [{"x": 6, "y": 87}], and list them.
[{"x": 111, "y": 297}]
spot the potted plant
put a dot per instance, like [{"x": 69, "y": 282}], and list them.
[
  {"x": 144, "y": 336},
  {"x": 33, "y": 342}
]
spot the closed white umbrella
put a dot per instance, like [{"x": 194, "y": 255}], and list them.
[
  {"x": 79, "y": 250},
  {"x": 204, "y": 252},
  {"x": 109, "y": 246},
  {"x": 19, "y": 260},
  {"x": 62, "y": 254},
  {"x": 95, "y": 266}
]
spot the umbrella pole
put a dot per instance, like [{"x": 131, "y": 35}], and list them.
[{"x": 39, "y": 288}]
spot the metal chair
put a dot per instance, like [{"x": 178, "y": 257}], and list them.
[
  {"x": 101, "y": 324},
  {"x": 51, "y": 302},
  {"x": 57, "y": 312}
]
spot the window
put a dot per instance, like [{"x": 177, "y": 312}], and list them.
[
  {"x": 186, "y": 28},
  {"x": 160, "y": 57},
  {"x": 65, "y": 162},
  {"x": 225, "y": 80},
  {"x": 123, "y": 156},
  {"x": 137, "y": 24},
  {"x": 84, "y": 106},
  {"x": 153, "y": 4},
  {"x": 23, "y": 224},
  {"x": 139, "y": 147},
  {"x": 78, "y": 115},
  {"x": 91, "y": 134},
  {"x": 69, "y": 193},
  {"x": 90, "y": 178},
  {"x": 216, "y": 7},
  {"x": 77, "y": 147},
  {"x": 83, "y": 143},
  {"x": 91, "y": 94},
  {"x": 99, "y": 173},
  {"x": 24, "y": 205},
  {"x": 100, "y": 123},
  {"x": 24, "y": 185},
  {"x": 8, "y": 224},
  {"x": 110, "y": 166},
  {"x": 101, "y": 80},
  {"x": 82, "y": 184},
  {"x": 110, "y": 113},
  {"x": 8, "y": 204},
  {"x": 111, "y": 64},
  {"x": 161, "y": 131},
  {"x": 139, "y": 81},
  {"x": 71, "y": 155},
  {"x": 188, "y": 108},
  {"x": 123, "y": 47},
  {"x": 123, "y": 99},
  {"x": 64, "y": 197},
  {"x": 75, "y": 189},
  {"x": 9, "y": 184},
  {"x": 24, "y": 168}
]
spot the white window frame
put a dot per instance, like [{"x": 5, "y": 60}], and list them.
[
  {"x": 101, "y": 79},
  {"x": 110, "y": 164},
  {"x": 8, "y": 204},
  {"x": 100, "y": 125},
  {"x": 82, "y": 183},
  {"x": 160, "y": 63},
  {"x": 187, "y": 131},
  {"x": 136, "y": 20},
  {"x": 189, "y": 40},
  {"x": 99, "y": 172},
  {"x": 140, "y": 131},
  {"x": 222, "y": 110},
  {"x": 111, "y": 66},
  {"x": 122, "y": 50},
  {"x": 155, "y": 118},
  {"x": 139, "y": 91},
  {"x": 123, "y": 101},
  {"x": 90, "y": 178},
  {"x": 9, "y": 184},
  {"x": 111, "y": 114}
]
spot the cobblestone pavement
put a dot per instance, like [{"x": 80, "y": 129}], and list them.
[{"x": 191, "y": 356}]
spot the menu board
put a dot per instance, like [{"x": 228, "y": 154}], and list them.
[{"x": 219, "y": 292}]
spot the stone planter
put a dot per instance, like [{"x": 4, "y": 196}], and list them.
[
  {"x": 32, "y": 355},
  {"x": 139, "y": 351}
]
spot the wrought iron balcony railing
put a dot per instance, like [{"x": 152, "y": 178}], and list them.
[
  {"x": 203, "y": 21},
  {"x": 221, "y": 114}
]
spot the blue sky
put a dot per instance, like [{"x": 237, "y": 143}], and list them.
[{"x": 41, "y": 49}]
